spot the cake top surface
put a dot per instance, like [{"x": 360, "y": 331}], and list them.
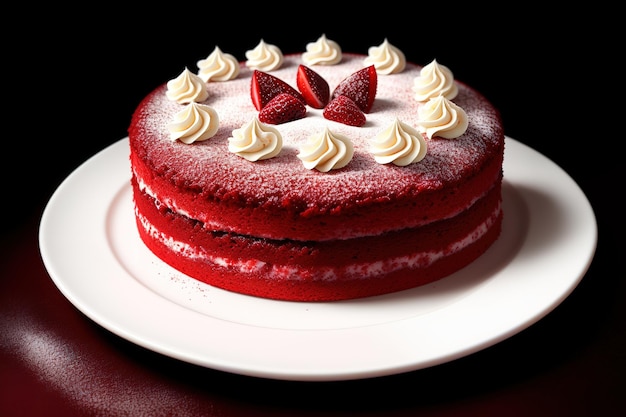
[{"x": 209, "y": 165}]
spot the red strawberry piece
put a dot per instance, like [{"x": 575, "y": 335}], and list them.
[
  {"x": 313, "y": 87},
  {"x": 344, "y": 110},
  {"x": 360, "y": 87},
  {"x": 264, "y": 87},
  {"x": 281, "y": 109}
]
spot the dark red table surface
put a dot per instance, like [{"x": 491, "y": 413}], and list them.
[{"x": 56, "y": 361}]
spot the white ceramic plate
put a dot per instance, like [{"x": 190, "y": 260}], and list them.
[{"x": 93, "y": 253}]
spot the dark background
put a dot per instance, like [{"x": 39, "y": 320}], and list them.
[{"x": 72, "y": 79}]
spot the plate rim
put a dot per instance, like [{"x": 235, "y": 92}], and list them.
[{"x": 209, "y": 354}]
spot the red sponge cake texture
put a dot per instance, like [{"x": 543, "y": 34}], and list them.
[{"x": 278, "y": 230}]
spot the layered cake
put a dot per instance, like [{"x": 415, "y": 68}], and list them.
[{"x": 316, "y": 176}]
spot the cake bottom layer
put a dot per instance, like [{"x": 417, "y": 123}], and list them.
[{"x": 319, "y": 271}]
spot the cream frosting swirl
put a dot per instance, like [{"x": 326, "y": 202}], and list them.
[
  {"x": 326, "y": 151},
  {"x": 196, "y": 122},
  {"x": 186, "y": 88},
  {"x": 218, "y": 66},
  {"x": 264, "y": 57},
  {"x": 399, "y": 144},
  {"x": 322, "y": 52},
  {"x": 435, "y": 80},
  {"x": 441, "y": 117},
  {"x": 386, "y": 58},
  {"x": 255, "y": 141}
]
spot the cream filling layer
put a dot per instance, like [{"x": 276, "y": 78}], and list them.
[
  {"x": 172, "y": 205},
  {"x": 293, "y": 272}
]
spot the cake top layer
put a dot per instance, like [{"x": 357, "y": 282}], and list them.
[{"x": 210, "y": 166}]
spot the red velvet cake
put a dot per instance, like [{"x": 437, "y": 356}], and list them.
[{"x": 318, "y": 176}]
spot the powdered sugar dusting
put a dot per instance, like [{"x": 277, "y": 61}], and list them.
[{"x": 211, "y": 167}]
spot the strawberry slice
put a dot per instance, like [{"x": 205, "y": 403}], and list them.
[
  {"x": 360, "y": 87},
  {"x": 282, "y": 108},
  {"x": 313, "y": 87},
  {"x": 344, "y": 110},
  {"x": 264, "y": 87}
]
